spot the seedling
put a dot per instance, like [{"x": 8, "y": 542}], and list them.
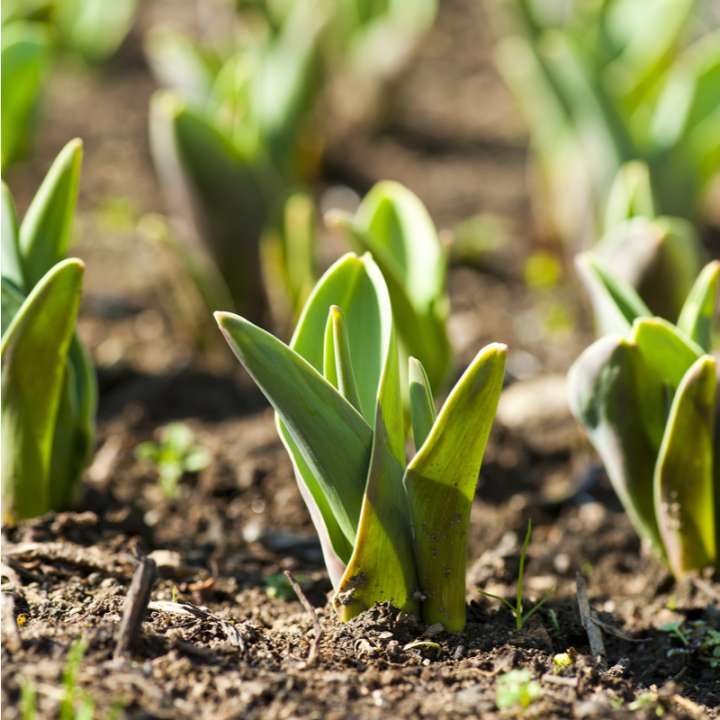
[
  {"x": 174, "y": 455},
  {"x": 516, "y": 689},
  {"x": 390, "y": 530},
  {"x": 517, "y": 610},
  {"x": 561, "y": 661},
  {"x": 48, "y": 381},
  {"x": 696, "y": 638},
  {"x": 647, "y": 397}
]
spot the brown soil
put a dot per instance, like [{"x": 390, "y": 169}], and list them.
[{"x": 452, "y": 135}]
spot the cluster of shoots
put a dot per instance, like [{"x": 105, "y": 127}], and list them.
[
  {"x": 390, "y": 529},
  {"x": 48, "y": 381},
  {"x": 647, "y": 396}
]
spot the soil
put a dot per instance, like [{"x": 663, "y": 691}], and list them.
[{"x": 225, "y": 637}]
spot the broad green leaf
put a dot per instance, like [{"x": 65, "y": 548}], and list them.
[
  {"x": 217, "y": 189},
  {"x": 697, "y": 314},
  {"x": 12, "y": 300},
  {"x": 607, "y": 385},
  {"x": 422, "y": 406},
  {"x": 34, "y": 350},
  {"x": 440, "y": 482},
  {"x": 11, "y": 260},
  {"x": 615, "y": 302},
  {"x": 337, "y": 360},
  {"x": 630, "y": 195},
  {"x": 382, "y": 566},
  {"x": 395, "y": 227},
  {"x": 330, "y": 435},
  {"x": 659, "y": 258},
  {"x": 684, "y": 493},
  {"x": 25, "y": 59},
  {"x": 45, "y": 229}
]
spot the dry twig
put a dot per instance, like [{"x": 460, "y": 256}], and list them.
[
  {"x": 136, "y": 603},
  {"x": 594, "y": 633},
  {"x": 312, "y": 657}
]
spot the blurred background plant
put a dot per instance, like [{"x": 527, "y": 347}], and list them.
[
  {"x": 34, "y": 34},
  {"x": 604, "y": 83},
  {"x": 239, "y": 134}
]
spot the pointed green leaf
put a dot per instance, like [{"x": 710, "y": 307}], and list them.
[
  {"x": 615, "y": 303},
  {"x": 45, "y": 229},
  {"x": 331, "y": 436},
  {"x": 607, "y": 388},
  {"x": 34, "y": 351},
  {"x": 684, "y": 493},
  {"x": 337, "y": 361},
  {"x": 422, "y": 406},
  {"x": 11, "y": 260},
  {"x": 441, "y": 480},
  {"x": 698, "y": 312}
]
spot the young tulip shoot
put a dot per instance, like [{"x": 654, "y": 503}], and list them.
[
  {"x": 647, "y": 397},
  {"x": 390, "y": 530}
]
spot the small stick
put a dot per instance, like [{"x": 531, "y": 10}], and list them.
[
  {"x": 594, "y": 633},
  {"x": 707, "y": 588},
  {"x": 136, "y": 602},
  {"x": 313, "y": 655},
  {"x": 560, "y": 680}
]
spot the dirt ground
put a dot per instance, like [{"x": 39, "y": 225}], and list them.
[{"x": 224, "y": 637}]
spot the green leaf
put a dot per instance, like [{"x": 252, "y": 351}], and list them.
[
  {"x": 337, "y": 361},
  {"x": 45, "y": 229},
  {"x": 440, "y": 482},
  {"x": 25, "y": 59},
  {"x": 34, "y": 351},
  {"x": 697, "y": 314},
  {"x": 684, "y": 493},
  {"x": 12, "y": 300},
  {"x": 331, "y": 436},
  {"x": 382, "y": 566},
  {"x": 610, "y": 394},
  {"x": 219, "y": 190},
  {"x": 422, "y": 406},
  {"x": 393, "y": 225},
  {"x": 615, "y": 302},
  {"x": 11, "y": 260}
]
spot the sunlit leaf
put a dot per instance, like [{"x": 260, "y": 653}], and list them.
[{"x": 696, "y": 316}]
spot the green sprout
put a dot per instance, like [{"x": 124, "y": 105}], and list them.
[
  {"x": 516, "y": 689},
  {"x": 647, "y": 397},
  {"x": 696, "y": 638},
  {"x": 390, "y": 530},
  {"x": 518, "y": 610},
  {"x": 561, "y": 661},
  {"x": 175, "y": 454},
  {"x": 48, "y": 381}
]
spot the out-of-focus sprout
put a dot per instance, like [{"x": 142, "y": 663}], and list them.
[
  {"x": 236, "y": 135},
  {"x": 605, "y": 83},
  {"x": 647, "y": 397},
  {"x": 390, "y": 530},
  {"x": 33, "y": 33},
  {"x": 48, "y": 381}
]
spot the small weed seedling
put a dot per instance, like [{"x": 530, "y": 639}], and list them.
[
  {"x": 175, "y": 454},
  {"x": 516, "y": 689},
  {"x": 390, "y": 530},
  {"x": 517, "y": 610},
  {"x": 696, "y": 638}
]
